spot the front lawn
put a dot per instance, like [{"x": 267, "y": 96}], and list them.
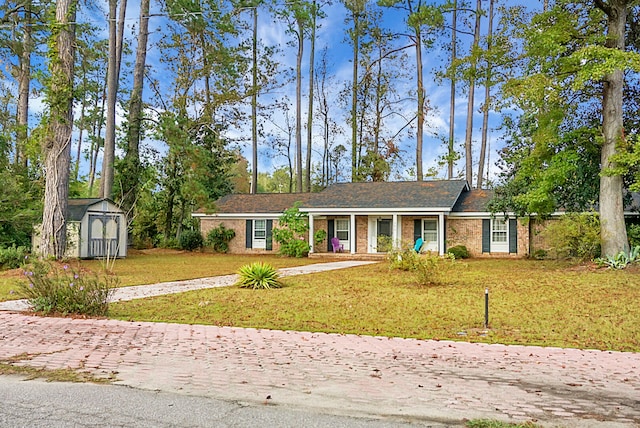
[
  {"x": 531, "y": 302},
  {"x": 149, "y": 267}
]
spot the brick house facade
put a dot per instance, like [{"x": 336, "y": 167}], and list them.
[{"x": 442, "y": 213}]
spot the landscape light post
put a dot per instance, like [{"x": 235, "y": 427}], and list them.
[{"x": 486, "y": 308}]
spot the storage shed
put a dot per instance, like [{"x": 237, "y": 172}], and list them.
[{"x": 96, "y": 228}]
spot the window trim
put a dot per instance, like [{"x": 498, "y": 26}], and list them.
[
  {"x": 429, "y": 244},
  {"x": 262, "y": 229},
  {"x": 337, "y": 230},
  {"x": 499, "y": 246}
]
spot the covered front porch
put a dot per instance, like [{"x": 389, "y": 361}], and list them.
[{"x": 376, "y": 232}]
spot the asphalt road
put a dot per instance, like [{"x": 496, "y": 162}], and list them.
[{"x": 36, "y": 403}]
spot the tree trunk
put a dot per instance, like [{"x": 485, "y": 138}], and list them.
[
  {"x": 355, "y": 176},
  {"x": 421, "y": 96},
  {"x": 376, "y": 173},
  {"x": 120, "y": 38},
  {"x": 472, "y": 82},
  {"x": 312, "y": 52},
  {"x": 254, "y": 106},
  {"x": 299, "y": 106},
  {"x": 131, "y": 172},
  {"x": 487, "y": 103},
  {"x": 57, "y": 143},
  {"x": 452, "y": 98},
  {"x": 83, "y": 107},
  {"x": 106, "y": 182},
  {"x": 24, "y": 82},
  {"x": 612, "y": 226}
]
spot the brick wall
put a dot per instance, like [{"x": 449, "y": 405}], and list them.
[
  {"x": 238, "y": 244},
  {"x": 468, "y": 232}
]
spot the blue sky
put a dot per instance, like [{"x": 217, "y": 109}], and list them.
[{"x": 332, "y": 35}]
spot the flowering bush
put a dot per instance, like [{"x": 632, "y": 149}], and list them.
[{"x": 50, "y": 289}]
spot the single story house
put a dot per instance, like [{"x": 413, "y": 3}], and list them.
[
  {"x": 96, "y": 228},
  {"x": 368, "y": 217}
]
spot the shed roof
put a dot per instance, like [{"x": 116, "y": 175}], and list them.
[
  {"x": 77, "y": 208},
  {"x": 406, "y": 194}
]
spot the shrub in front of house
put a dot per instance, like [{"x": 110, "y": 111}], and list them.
[
  {"x": 191, "y": 240},
  {"x": 404, "y": 258},
  {"x": 292, "y": 227},
  {"x": 432, "y": 269},
  {"x": 429, "y": 268},
  {"x": 12, "y": 257},
  {"x": 574, "y": 236},
  {"x": 633, "y": 233},
  {"x": 459, "y": 252},
  {"x": 52, "y": 289},
  {"x": 540, "y": 254},
  {"x": 218, "y": 238},
  {"x": 258, "y": 276}
]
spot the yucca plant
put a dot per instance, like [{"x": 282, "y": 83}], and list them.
[{"x": 258, "y": 276}]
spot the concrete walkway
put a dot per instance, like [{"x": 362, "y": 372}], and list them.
[
  {"x": 174, "y": 287},
  {"x": 424, "y": 381}
]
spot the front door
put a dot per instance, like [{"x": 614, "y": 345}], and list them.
[{"x": 383, "y": 235}]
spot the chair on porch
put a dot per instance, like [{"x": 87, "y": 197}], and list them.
[
  {"x": 418, "y": 246},
  {"x": 337, "y": 246}
]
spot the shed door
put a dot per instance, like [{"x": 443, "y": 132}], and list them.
[{"x": 104, "y": 231}]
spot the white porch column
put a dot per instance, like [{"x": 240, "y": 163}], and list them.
[
  {"x": 352, "y": 240},
  {"x": 311, "y": 243},
  {"x": 394, "y": 231},
  {"x": 441, "y": 234}
]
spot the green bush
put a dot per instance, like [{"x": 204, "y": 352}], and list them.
[
  {"x": 633, "y": 233},
  {"x": 218, "y": 238},
  {"x": 51, "y": 289},
  {"x": 319, "y": 236},
  {"x": 429, "y": 268},
  {"x": 191, "y": 240},
  {"x": 404, "y": 258},
  {"x": 459, "y": 252},
  {"x": 433, "y": 269},
  {"x": 290, "y": 233},
  {"x": 12, "y": 257},
  {"x": 574, "y": 236},
  {"x": 540, "y": 254},
  {"x": 258, "y": 276}
]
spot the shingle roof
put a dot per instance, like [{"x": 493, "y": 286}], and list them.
[
  {"x": 473, "y": 201},
  {"x": 266, "y": 203},
  {"x": 78, "y": 207},
  {"x": 408, "y": 194}
]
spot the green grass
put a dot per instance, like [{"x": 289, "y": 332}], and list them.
[
  {"x": 160, "y": 266},
  {"x": 531, "y": 302}
]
